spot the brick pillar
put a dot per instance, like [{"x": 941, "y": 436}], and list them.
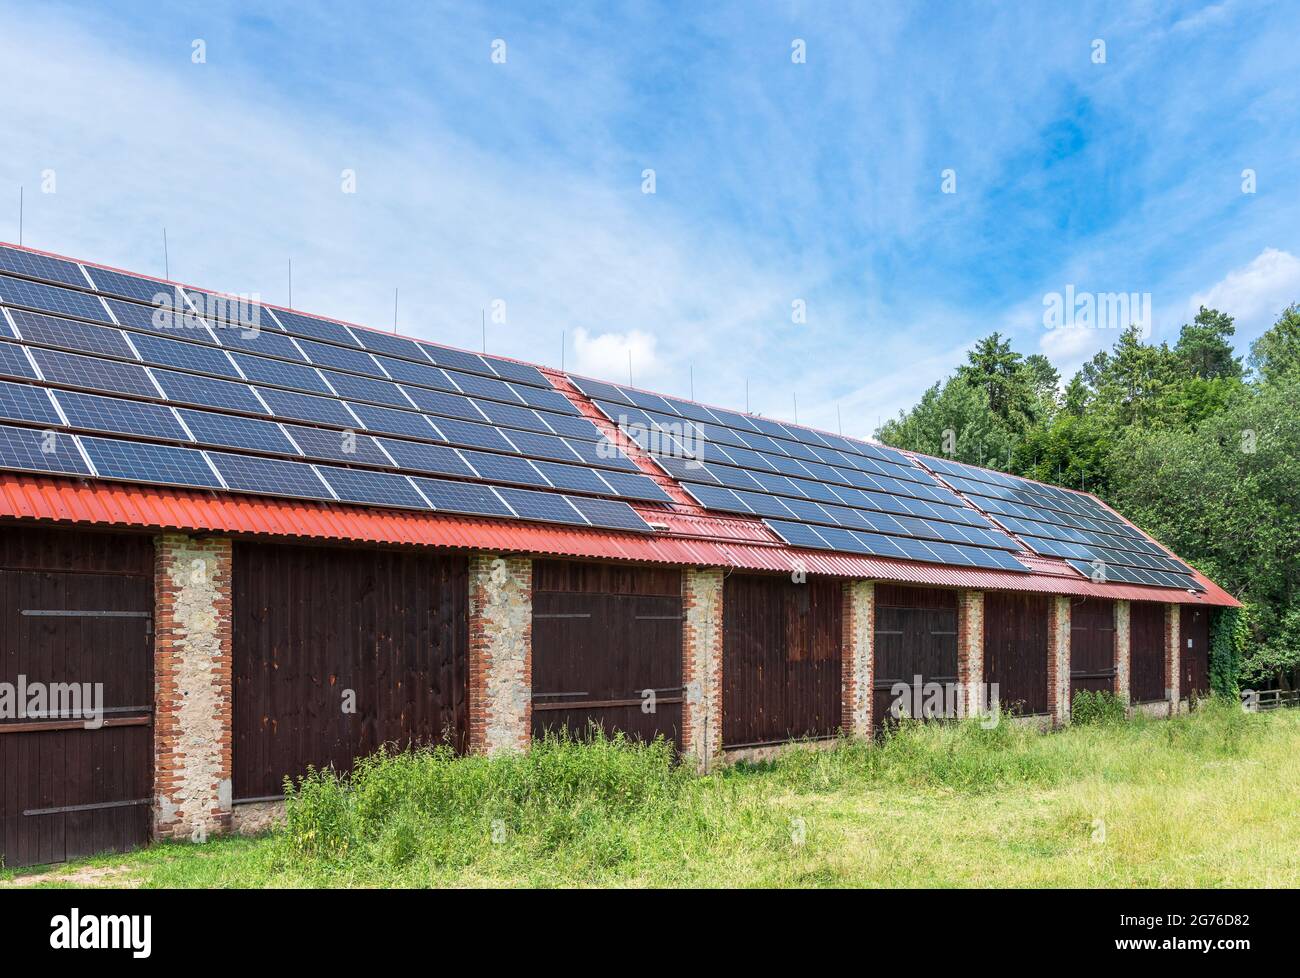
[
  {"x": 1173, "y": 672},
  {"x": 500, "y": 653},
  {"x": 192, "y": 663},
  {"x": 1058, "y": 660},
  {"x": 1122, "y": 648},
  {"x": 858, "y": 657},
  {"x": 702, "y": 663},
  {"x": 970, "y": 650}
]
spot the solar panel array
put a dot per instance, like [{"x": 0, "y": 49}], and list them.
[
  {"x": 1060, "y": 523},
  {"x": 215, "y": 393},
  {"x": 811, "y": 488}
]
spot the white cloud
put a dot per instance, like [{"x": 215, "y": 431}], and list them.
[
  {"x": 607, "y": 354},
  {"x": 1256, "y": 293}
]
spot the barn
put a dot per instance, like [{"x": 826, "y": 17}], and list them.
[{"x": 239, "y": 540}]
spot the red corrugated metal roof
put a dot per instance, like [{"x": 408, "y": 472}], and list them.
[{"x": 73, "y": 501}]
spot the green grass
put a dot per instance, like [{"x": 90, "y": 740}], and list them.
[{"x": 1200, "y": 800}]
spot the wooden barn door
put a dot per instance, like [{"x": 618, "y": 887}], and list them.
[
  {"x": 607, "y": 650},
  {"x": 1092, "y": 645},
  {"x": 1194, "y": 633},
  {"x": 1015, "y": 649},
  {"x": 75, "y": 611},
  {"x": 1147, "y": 652},
  {"x": 915, "y": 636}
]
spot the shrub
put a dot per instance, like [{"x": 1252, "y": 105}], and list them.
[{"x": 1096, "y": 707}]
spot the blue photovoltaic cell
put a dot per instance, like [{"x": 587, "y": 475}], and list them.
[
  {"x": 121, "y": 416},
  {"x": 22, "y": 402},
  {"x": 551, "y": 400},
  {"x": 571, "y": 426},
  {"x": 37, "y": 450},
  {"x": 503, "y": 468},
  {"x": 573, "y": 477},
  {"x": 230, "y": 311},
  {"x": 545, "y": 506},
  {"x": 72, "y": 370},
  {"x": 265, "y": 342},
  {"x": 462, "y": 497},
  {"x": 457, "y": 359},
  {"x": 602, "y": 454},
  {"x": 14, "y": 362},
  {"x": 41, "y": 266},
  {"x": 508, "y": 415},
  {"x": 338, "y": 446},
  {"x": 599, "y": 389},
  {"x": 446, "y": 405},
  {"x": 421, "y": 457},
  {"x": 207, "y": 391},
  {"x": 394, "y": 422},
  {"x": 497, "y": 390},
  {"x": 398, "y": 346},
  {"x": 542, "y": 446},
  {"x": 232, "y": 431},
  {"x": 423, "y": 374},
  {"x": 298, "y": 376},
  {"x": 184, "y": 356},
  {"x": 716, "y": 497},
  {"x": 137, "y": 461},
  {"x": 608, "y": 513},
  {"x": 797, "y": 534},
  {"x": 325, "y": 355},
  {"x": 306, "y": 407},
  {"x": 71, "y": 335},
  {"x": 19, "y": 292},
  {"x": 522, "y": 373},
  {"x": 377, "y": 488},
  {"x": 269, "y": 476},
  {"x": 464, "y": 433},
  {"x": 684, "y": 469},
  {"x": 635, "y": 486},
  {"x": 366, "y": 389},
  {"x": 765, "y": 505},
  {"x": 161, "y": 321},
  {"x": 320, "y": 329},
  {"x": 130, "y": 286}
]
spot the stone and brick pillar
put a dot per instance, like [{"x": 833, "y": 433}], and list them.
[
  {"x": 1058, "y": 659},
  {"x": 1122, "y": 649},
  {"x": 858, "y": 657},
  {"x": 500, "y": 653},
  {"x": 702, "y": 590},
  {"x": 970, "y": 650},
  {"x": 192, "y": 687},
  {"x": 1173, "y": 639}
]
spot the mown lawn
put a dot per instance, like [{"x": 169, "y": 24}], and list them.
[{"x": 1200, "y": 801}]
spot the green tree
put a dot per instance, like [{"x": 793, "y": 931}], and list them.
[
  {"x": 1277, "y": 352},
  {"x": 1204, "y": 347}
]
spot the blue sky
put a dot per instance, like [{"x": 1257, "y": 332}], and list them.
[{"x": 517, "y": 187}]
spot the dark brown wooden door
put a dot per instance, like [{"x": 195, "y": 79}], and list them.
[
  {"x": 607, "y": 651},
  {"x": 1194, "y": 639},
  {"x": 69, "y": 789},
  {"x": 1147, "y": 652},
  {"x": 1092, "y": 645},
  {"x": 1015, "y": 650},
  {"x": 915, "y": 642}
]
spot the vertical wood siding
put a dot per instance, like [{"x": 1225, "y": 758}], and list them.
[
  {"x": 1015, "y": 649},
  {"x": 1194, "y": 637},
  {"x": 781, "y": 659},
  {"x": 916, "y": 635},
  {"x": 1092, "y": 645},
  {"x": 312, "y": 622},
  {"x": 1147, "y": 659}
]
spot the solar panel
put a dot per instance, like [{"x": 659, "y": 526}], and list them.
[
  {"x": 184, "y": 356},
  {"x": 41, "y": 266},
  {"x": 456, "y": 359},
  {"x": 545, "y": 506},
  {"x": 394, "y": 422},
  {"x": 550, "y": 400},
  {"x": 504, "y": 468},
  {"x": 320, "y": 329},
  {"x": 14, "y": 362},
  {"x": 306, "y": 407},
  {"x": 796, "y": 534},
  {"x": 422, "y": 457},
  {"x": 473, "y": 435},
  {"x": 339, "y": 446},
  {"x": 95, "y": 413},
  {"x": 297, "y": 376},
  {"x": 446, "y": 405},
  {"x": 130, "y": 286},
  {"x": 232, "y": 431},
  {"x": 462, "y": 497},
  {"x": 522, "y": 373},
  {"x": 269, "y": 476},
  {"x": 374, "y": 488},
  {"x": 635, "y": 486},
  {"x": 608, "y": 513},
  {"x": 571, "y": 427},
  {"x": 68, "y": 334},
  {"x": 207, "y": 391},
  {"x": 542, "y": 446},
  {"x": 497, "y": 390},
  {"x": 366, "y": 389},
  {"x": 573, "y": 477},
  {"x": 37, "y": 450},
  {"x": 398, "y": 346},
  {"x": 48, "y": 298},
  {"x": 73, "y": 370},
  {"x": 265, "y": 343},
  {"x": 325, "y": 355},
  {"x": 426, "y": 375},
  {"x": 716, "y": 497},
  {"x": 601, "y": 454},
  {"x": 685, "y": 470},
  {"x": 161, "y": 320},
  {"x": 22, "y": 402},
  {"x": 135, "y": 461}
]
